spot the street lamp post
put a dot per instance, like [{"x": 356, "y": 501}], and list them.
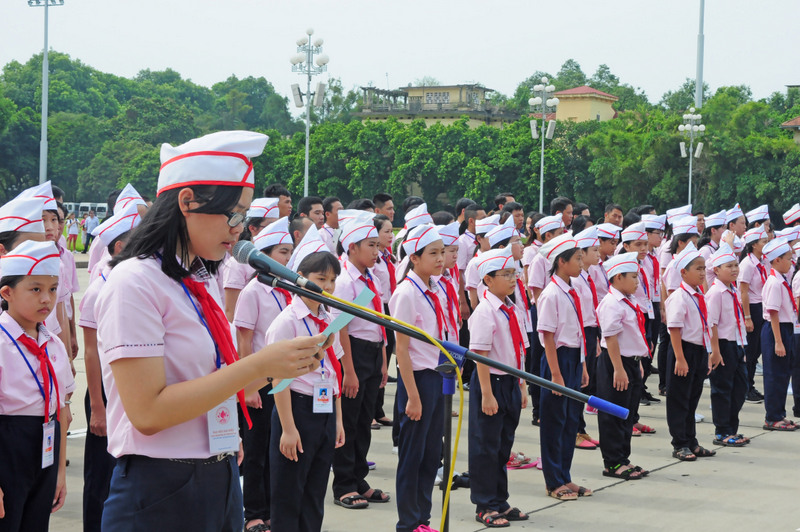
[
  {"x": 693, "y": 129},
  {"x": 543, "y": 100},
  {"x": 45, "y": 86},
  {"x": 303, "y": 63}
]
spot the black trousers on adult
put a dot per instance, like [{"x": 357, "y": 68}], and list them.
[
  {"x": 661, "y": 355},
  {"x": 28, "y": 490},
  {"x": 256, "y": 463},
  {"x": 683, "y": 394},
  {"x": 533, "y": 364},
  {"x": 298, "y": 488},
  {"x": 490, "y": 441},
  {"x": 592, "y": 339},
  {"x": 753, "y": 349},
  {"x": 379, "y": 412},
  {"x": 615, "y": 433},
  {"x": 98, "y": 466},
  {"x": 728, "y": 389},
  {"x": 463, "y": 341},
  {"x": 350, "y": 460},
  {"x": 420, "y": 451},
  {"x": 160, "y": 494},
  {"x": 777, "y": 370}
]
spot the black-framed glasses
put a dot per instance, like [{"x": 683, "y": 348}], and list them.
[{"x": 234, "y": 218}]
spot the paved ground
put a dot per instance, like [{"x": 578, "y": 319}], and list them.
[{"x": 751, "y": 488}]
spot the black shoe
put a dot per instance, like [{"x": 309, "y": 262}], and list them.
[
  {"x": 644, "y": 401},
  {"x": 466, "y": 386},
  {"x": 650, "y": 397},
  {"x": 391, "y": 379},
  {"x": 754, "y": 397}
]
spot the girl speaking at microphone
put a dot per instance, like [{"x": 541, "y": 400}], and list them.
[{"x": 166, "y": 351}]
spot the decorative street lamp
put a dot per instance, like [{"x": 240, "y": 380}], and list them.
[
  {"x": 544, "y": 101},
  {"x": 303, "y": 63},
  {"x": 691, "y": 128},
  {"x": 45, "y": 86}
]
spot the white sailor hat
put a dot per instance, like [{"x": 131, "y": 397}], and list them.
[
  {"x": 655, "y": 221},
  {"x": 775, "y": 248},
  {"x": 608, "y": 231},
  {"x": 310, "y": 243},
  {"x": 275, "y": 233},
  {"x": 419, "y": 237},
  {"x": 758, "y": 214},
  {"x": 756, "y": 233},
  {"x": 789, "y": 233},
  {"x": 221, "y": 158},
  {"x": 494, "y": 260},
  {"x": 43, "y": 192},
  {"x": 356, "y": 229},
  {"x": 634, "y": 232},
  {"x": 717, "y": 219},
  {"x": 550, "y": 223},
  {"x": 124, "y": 220},
  {"x": 733, "y": 214},
  {"x": 487, "y": 224},
  {"x": 685, "y": 225},
  {"x": 622, "y": 263},
  {"x": 263, "y": 208},
  {"x": 587, "y": 238},
  {"x": 416, "y": 216},
  {"x": 555, "y": 247},
  {"x": 685, "y": 257},
  {"x": 502, "y": 232},
  {"x": 449, "y": 233},
  {"x": 128, "y": 196},
  {"x": 723, "y": 255},
  {"x": 31, "y": 258},
  {"x": 792, "y": 215},
  {"x": 22, "y": 214},
  {"x": 678, "y": 212}
]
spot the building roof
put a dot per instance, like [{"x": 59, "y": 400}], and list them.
[
  {"x": 794, "y": 123},
  {"x": 440, "y": 87},
  {"x": 585, "y": 90}
]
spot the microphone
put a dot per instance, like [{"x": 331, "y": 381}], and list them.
[{"x": 246, "y": 253}]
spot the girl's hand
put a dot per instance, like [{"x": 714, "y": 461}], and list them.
[
  {"x": 748, "y": 325},
  {"x": 339, "y": 435},
  {"x": 254, "y": 400},
  {"x": 620, "y": 380},
  {"x": 61, "y": 491},
  {"x": 350, "y": 385},
  {"x": 584, "y": 377},
  {"x": 681, "y": 368},
  {"x": 524, "y": 390},
  {"x": 414, "y": 409},
  {"x": 290, "y": 444},
  {"x": 557, "y": 379},
  {"x": 489, "y": 404},
  {"x": 780, "y": 350},
  {"x": 715, "y": 360},
  {"x": 97, "y": 421},
  {"x": 288, "y": 359}
]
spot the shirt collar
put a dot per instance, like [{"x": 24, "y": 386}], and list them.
[
  {"x": 352, "y": 271},
  {"x": 689, "y": 289},
  {"x": 416, "y": 278},
  {"x": 300, "y": 309},
  {"x": 560, "y": 283},
  {"x": 15, "y": 329},
  {"x": 619, "y": 296},
  {"x": 495, "y": 301}
]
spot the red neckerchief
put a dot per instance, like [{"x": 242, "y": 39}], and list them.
[
  {"x": 285, "y": 293},
  {"x": 639, "y": 320},
  {"x": 336, "y": 366},
  {"x": 576, "y": 302},
  {"x": 453, "y": 310},
  {"x": 738, "y": 311},
  {"x": 516, "y": 332},
  {"x": 788, "y": 289},
  {"x": 377, "y": 304},
  {"x": 524, "y": 294},
  {"x": 701, "y": 305},
  {"x": 656, "y": 269},
  {"x": 219, "y": 328},
  {"x": 46, "y": 367},
  {"x": 762, "y": 271},
  {"x": 388, "y": 259},
  {"x": 645, "y": 284}
]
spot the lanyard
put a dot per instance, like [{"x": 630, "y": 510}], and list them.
[
  {"x": 276, "y": 301},
  {"x": 577, "y": 311},
  {"x": 33, "y": 372},
  {"x": 218, "y": 360},
  {"x": 421, "y": 291},
  {"x": 322, "y": 360},
  {"x": 737, "y": 312},
  {"x": 703, "y": 318}
]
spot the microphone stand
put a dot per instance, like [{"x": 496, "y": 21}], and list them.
[{"x": 446, "y": 368}]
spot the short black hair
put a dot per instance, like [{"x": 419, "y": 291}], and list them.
[
  {"x": 462, "y": 204},
  {"x": 296, "y": 225},
  {"x": 644, "y": 209},
  {"x": 613, "y": 207},
  {"x": 512, "y": 206},
  {"x": 380, "y": 199},
  {"x": 362, "y": 204},
  {"x": 501, "y": 199},
  {"x": 9, "y": 239},
  {"x": 58, "y": 193},
  {"x": 580, "y": 207},
  {"x": 379, "y": 220},
  {"x": 305, "y": 204},
  {"x": 559, "y": 204},
  {"x": 111, "y": 200},
  {"x": 442, "y": 218},
  {"x": 578, "y": 224},
  {"x": 327, "y": 203},
  {"x": 630, "y": 219},
  {"x": 320, "y": 262},
  {"x": 276, "y": 190},
  {"x": 411, "y": 202}
]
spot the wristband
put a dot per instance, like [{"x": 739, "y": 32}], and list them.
[{"x": 747, "y": 317}]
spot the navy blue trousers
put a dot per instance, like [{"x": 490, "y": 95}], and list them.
[
  {"x": 560, "y": 418},
  {"x": 490, "y": 441},
  {"x": 420, "y": 451},
  {"x": 98, "y": 466},
  {"x": 683, "y": 394},
  {"x": 533, "y": 363},
  {"x": 28, "y": 490},
  {"x": 158, "y": 494},
  {"x": 297, "y": 499},
  {"x": 777, "y": 370},
  {"x": 615, "y": 433},
  {"x": 728, "y": 389},
  {"x": 753, "y": 349},
  {"x": 592, "y": 338},
  {"x": 255, "y": 466}
]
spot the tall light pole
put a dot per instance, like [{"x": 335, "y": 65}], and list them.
[
  {"x": 45, "y": 86},
  {"x": 303, "y": 63},
  {"x": 543, "y": 101},
  {"x": 698, "y": 80},
  {"x": 691, "y": 128}
]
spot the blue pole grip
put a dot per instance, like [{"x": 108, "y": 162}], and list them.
[
  {"x": 448, "y": 385},
  {"x": 458, "y": 352},
  {"x": 608, "y": 407}
]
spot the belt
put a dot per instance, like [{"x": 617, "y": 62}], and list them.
[{"x": 202, "y": 461}]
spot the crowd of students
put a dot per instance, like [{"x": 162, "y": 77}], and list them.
[{"x": 186, "y": 352}]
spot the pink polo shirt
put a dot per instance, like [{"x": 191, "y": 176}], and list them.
[
  {"x": 348, "y": 286},
  {"x": 519, "y": 301},
  {"x": 381, "y": 272},
  {"x": 642, "y": 294},
  {"x": 664, "y": 255},
  {"x": 581, "y": 285},
  {"x": 489, "y": 330},
  {"x": 777, "y": 296},
  {"x": 600, "y": 278},
  {"x": 237, "y": 275},
  {"x": 147, "y": 314},
  {"x": 528, "y": 253},
  {"x": 749, "y": 273},
  {"x": 706, "y": 252},
  {"x": 672, "y": 278},
  {"x": 294, "y": 322},
  {"x": 557, "y": 314},
  {"x": 723, "y": 305},
  {"x": 618, "y": 319},
  {"x": 96, "y": 252},
  {"x": 257, "y": 307},
  {"x": 796, "y": 286},
  {"x": 411, "y": 305},
  {"x": 539, "y": 272},
  {"x": 328, "y": 235},
  {"x": 683, "y": 313},
  {"x": 19, "y": 392},
  {"x": 466, "y": 249},
  {"x": 100, "y": 266},
  {"x": 88, "y": 318},
  {"x": 471, "y": 277}
]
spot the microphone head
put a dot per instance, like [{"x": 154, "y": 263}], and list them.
[{"x": 242, "y": 251}]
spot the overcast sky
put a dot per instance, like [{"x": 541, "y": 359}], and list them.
[{"x": 499, "y": 43}]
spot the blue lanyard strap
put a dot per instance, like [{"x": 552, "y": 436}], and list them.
[
  {"x": 322, "y": 360},
  {"x": 421, "y": 291},
  {"x": 33, "y": 372},
  {"x": 218, "y": 359},
  {"x": 277, "y": 301}
]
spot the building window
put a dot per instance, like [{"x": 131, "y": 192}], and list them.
[{"x": 437, "y": 97}]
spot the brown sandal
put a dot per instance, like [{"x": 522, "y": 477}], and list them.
[{"x": 563, "y": 494}]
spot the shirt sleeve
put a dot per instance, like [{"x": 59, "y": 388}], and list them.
[
  {"x": 676, "y": 311},
  {"x": 714, "y": 306},
  {"x": 247, "y": 307},
  {"x": 402, "y": 306},
  {"x": 772, "y": 294},
  {"x": 609, "y": 317},
  {"x": 537, "y": 273},
  {"x": 481, "y": 328},
  {"x": 548, "y": 312}
]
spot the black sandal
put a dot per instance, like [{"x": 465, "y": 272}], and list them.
[
  {"x": 627, "y": 474},
  {"x": 261, "y": 527},
  {"x": 377, "y": 496},
  {"x": 488, "y": 518},
  {"x": 515, "y": 514},
  {"x": 684, "y": 454},
  {"x": 349, "y": 502},
  {"x": 702, "y": 452},
  {"x": 729, "y": 441}
]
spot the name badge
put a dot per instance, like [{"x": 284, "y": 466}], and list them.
[
  {"x": 651, "y": 314},
  {"x": 223, "y": 428},
  {"x": 323, "y": 397},
  {"x": 656, "y": 296},
  {"x": 797, "y": 328},
  {"x": 48, "y": 443}
]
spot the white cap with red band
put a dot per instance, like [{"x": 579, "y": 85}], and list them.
[
  {"x": 449, "y": 233},
  {"x": 502, "y": 232},
  {"x": 31, "y": 258},
  {"x": 717, "y": 219},
  {"x": 756, "y": 233},
  {"x": 487, "y": 224},
  {"x": 549, "y": 223},
  {"x": 733, "y": 214},
  {"x": 678, "y": 212},
  {"x": 587, "y": 238},
  {"x": 685, "y": 257},
  {"x": 655, "y": 221},
  {"x": 622, "y": 263},
  {"x": 221, "y": 158},
  {"x": 128, "y": 196},
  {"x": 555, "y": 247},
  {"x": 310, "y": 243},
  {"x": 417, "y": 216},
  {"x": 124, "y": 220},
  {"x": 635, "y": 232},
  {"x": 43, "y": 192},
  {"x": 356, "y": 229},
  {"x": 792, "y": 215},
  {"x": 723, "y": 255},
  {"x": 776, "y": 248},
  {"x": 759, "y": 214},
  {"x": 22, "y": 214},
  {"x": 263, "y": 208},
  {"x": 608, "y": 231},
  {"x": 419, "y": 237},
  {"x": 494, "y": 260},
  {"x": 275, "y": 233},
  {"x": 686, "y": 225}
]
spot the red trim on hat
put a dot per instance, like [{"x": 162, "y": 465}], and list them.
[
  {"x": 505, "y": 262},
  {"x": 608, "y": 272},
  {"x": 20, "y": 218},
  {"x": 417, "y": 239},
  {"x": 118, "y": 221},
  {"x": 372, "y": 227},
  {"x": 207, "y": 183},
  {"x": 561, "y": 244},
  {"x": 265, "y": 209},
  {"x": 284, "y": 233},
  {"x": 243, "y": 182},
  {"x": 35, "y": 260}
]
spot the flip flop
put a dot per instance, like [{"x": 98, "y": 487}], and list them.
[
  {"x": 515, "y": 514},
  {"x": 563, "y": 494},
  {"x": 377, "y": 496},
  {"x": 347, "y": 502}
]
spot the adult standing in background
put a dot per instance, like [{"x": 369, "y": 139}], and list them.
[{"x": 89, "y": 225}]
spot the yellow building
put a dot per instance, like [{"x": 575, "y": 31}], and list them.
[
  {"x": 794, "y": 126},
  {"x": 444, "y": 104},
  {"x": 584, "y": 103}
]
